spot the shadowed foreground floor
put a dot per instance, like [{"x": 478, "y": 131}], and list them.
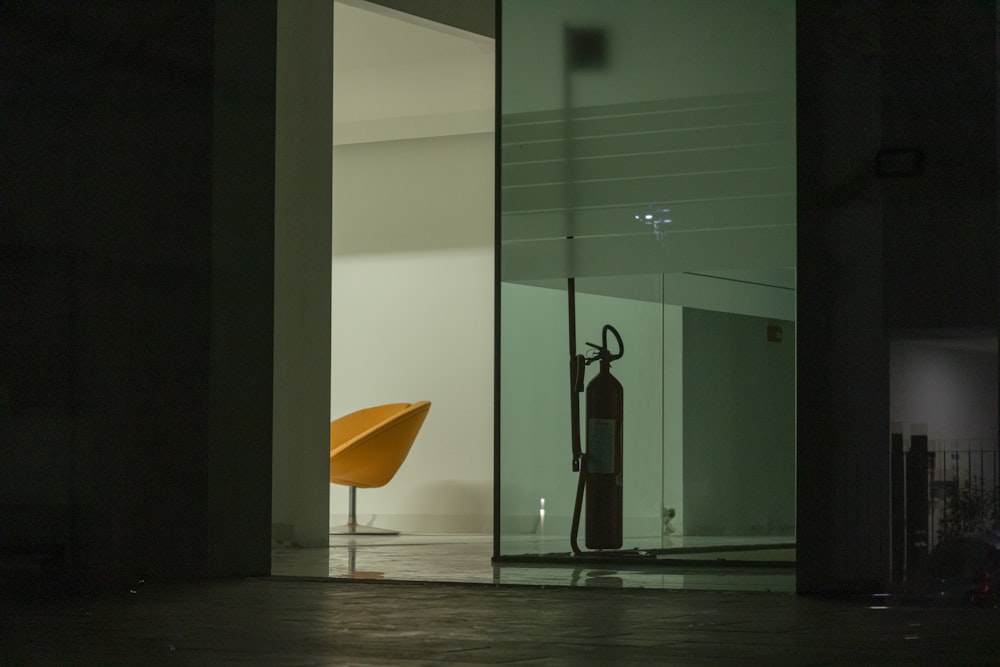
[{"x": 283, "y": 621}]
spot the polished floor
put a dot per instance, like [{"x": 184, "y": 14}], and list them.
[
  {"x": 448, "y": 558},
  {"x": 289, "y": 622},
  {"x": 439, "y": 600}
]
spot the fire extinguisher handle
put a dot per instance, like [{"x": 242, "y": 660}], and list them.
[
  {"x": 618, "y": 339},
  {"x": 603, "y": 353}
]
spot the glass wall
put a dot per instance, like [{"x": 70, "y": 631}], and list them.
[{"x": 647, "y": 181}]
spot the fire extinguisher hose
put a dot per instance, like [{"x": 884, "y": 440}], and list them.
[{"x": 578, "y": 506}]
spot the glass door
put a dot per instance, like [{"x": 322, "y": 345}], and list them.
[{"x": 647, "y": 182}]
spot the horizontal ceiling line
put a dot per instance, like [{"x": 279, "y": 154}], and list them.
[
  {"x": 672, "y": 202},
  {"x": 552, "y": 136},
  {"x": 725, "y": 100},
  {"x": 673, "y": 130},
  {"x": 581, "y": 119},
  {"x": 549, "y": 184},
  {"x": 737, "y": 280},
  {"x": 609, "y": 156},
  {"x": 673, "y": 232}
]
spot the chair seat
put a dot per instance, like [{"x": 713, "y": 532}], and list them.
[{"x": 368, "y": 446}]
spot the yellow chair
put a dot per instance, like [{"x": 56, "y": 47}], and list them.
[{"x": 367, "y": 447}]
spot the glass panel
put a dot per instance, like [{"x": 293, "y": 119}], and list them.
[
  {"x": 536, "y": 466},
  {"x": 648, "y": 172}
]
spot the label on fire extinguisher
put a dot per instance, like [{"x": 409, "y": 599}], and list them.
[{"x": 601, "y": 445}]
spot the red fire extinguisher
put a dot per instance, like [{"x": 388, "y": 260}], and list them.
[{"x": 600, "y": 467}]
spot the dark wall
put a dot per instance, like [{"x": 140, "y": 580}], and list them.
[
  {"x": 117, "y": 248},
  {"x": 939, "y": 89},
  {"x": 879, "y": 251}
]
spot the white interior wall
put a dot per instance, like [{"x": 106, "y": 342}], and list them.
[
  {"x": 951, "y": 389},
  {"x": 412, "y": 295},
  {"x": 412, "y": 270}
]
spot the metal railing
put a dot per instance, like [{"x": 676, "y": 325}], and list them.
[{"x": 963, "y": 486}]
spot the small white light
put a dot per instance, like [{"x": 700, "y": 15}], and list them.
[{"x": 649, "y": 217}]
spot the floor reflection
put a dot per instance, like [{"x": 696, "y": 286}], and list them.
[{"x": 468, "y": 559}]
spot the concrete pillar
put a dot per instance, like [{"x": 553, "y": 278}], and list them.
[
  {"x": 302, "y": 244},
  {"x": 843, "y": 476},
  {"x": 886, "y": 242}
]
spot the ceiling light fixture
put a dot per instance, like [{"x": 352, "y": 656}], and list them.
[{"x": 655, "y": 217}]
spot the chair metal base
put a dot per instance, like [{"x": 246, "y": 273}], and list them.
[{"x": 352, "y": 527}]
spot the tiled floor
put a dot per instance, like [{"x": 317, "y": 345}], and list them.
[{"x": 468, "y": 559}]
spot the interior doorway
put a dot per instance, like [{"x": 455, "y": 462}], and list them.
[{"x": 412, "y": 258}]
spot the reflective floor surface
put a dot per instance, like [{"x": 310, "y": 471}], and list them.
[
  {"x": 468, "y": 559},
  {"x": 295, "y": 622}
]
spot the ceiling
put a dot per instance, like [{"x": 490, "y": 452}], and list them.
[{"x": 397, "y": 76}]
